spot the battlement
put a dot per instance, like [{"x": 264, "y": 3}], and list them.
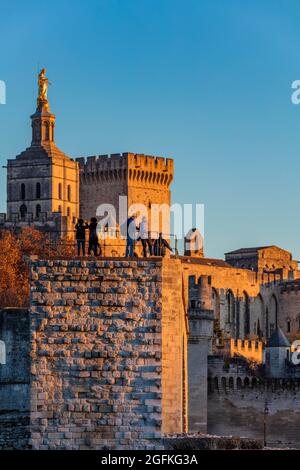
[
  {"x": 252, "y": 350},
  {"x": 138, "y": 168}
]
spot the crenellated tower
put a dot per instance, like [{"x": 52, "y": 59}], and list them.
[{"x": 141, "y": 178}]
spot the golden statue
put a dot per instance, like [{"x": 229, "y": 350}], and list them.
[{"x": 43, "y": 83}]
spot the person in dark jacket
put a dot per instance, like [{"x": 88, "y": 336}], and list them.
[
  {"x": 131, "y": 236},
  {"x": 80, "y": 229},
  {"x": 93, "y": 238},
  {"x": 160, "y": 246}
]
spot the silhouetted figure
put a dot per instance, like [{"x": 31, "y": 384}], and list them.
[
  {"x": 131, "y": 235},
  {"x": 93, "y": 238},
  {"x": 144, "y": 235},
  {"x": 80, "y": 228},
  {"x": 160, "y": 246}
]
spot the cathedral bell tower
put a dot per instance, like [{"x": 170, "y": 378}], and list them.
[{"x": 43, "y": 182}]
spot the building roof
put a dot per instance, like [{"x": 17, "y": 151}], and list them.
[
  {"x": 205, "y": 261},
  {"x": 248, "y": 250},
  {"x": 278, "y": 340}
]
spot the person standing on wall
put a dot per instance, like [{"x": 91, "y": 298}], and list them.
[
  {"x": 131, "y": 236},
  {"x": 160, "y": 246},
  {"x": 93, "y": 238},
  {"x": 144, "y": 235},
  {"x": 80, "y": 229}
]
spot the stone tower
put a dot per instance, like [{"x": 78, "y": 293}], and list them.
[
  {"x": 201, "y": 318},
  {"x": 142, "y": 179},
  {"x": 43, "y": 182}
]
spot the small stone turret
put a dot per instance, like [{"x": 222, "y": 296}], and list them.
[
  {"x": 201, "y": 318},
  {"x": 277, "y": 354}
]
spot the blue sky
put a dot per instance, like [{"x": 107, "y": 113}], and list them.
[{"x": 206, "y": 82}]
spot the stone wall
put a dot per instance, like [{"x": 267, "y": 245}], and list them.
[
  {"x": 237, "y": 399},
  {"x": 14, "y": 378},
  {"x": 104, "y": 349}
]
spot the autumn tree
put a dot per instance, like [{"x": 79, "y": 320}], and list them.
[{"x": 15, "y": 252}]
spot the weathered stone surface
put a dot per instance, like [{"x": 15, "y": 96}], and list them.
[{"x": 111, "y": 368}]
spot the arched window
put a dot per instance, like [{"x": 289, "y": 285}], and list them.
[
  {"x": 68, "y": 211},
  {"x": 23, "y": 211},
  {"x": 23, "y": 191},
  {"x": 37, "y": 211},
  {"x": 38, "y": 191},
  {"x": 59, "y": 208},
  {"x": 231, "y": 382},
  {"x": 288, "y": 326},
  {"x": 69, "y": 193},
  {"x": 59, "y": 191},
  {"x": 2, "y": 353}
]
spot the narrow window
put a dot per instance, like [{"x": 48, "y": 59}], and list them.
[
  {"x": 59, "y": 191},
  {"x": 37, "y": 211},
  {"x": 69, "y": 193},
  {"x": 23, "y": 211},
  {"x": 288, "y": 326},
  {"x": 59, "y": 208},
  {"x": 38, "y": 190},
  {"x": 68, "y": 211},
  {"x": 23, "y": 191}
]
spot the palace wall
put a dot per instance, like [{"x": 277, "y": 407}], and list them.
[{"x": 237, "y": 398}]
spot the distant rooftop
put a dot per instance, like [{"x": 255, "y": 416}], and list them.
[{"x": 248, "y": 250}]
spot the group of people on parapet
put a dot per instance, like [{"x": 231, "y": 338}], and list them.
[{"x": 151, "y": 246}]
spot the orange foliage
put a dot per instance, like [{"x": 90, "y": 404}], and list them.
[{"x": 15, "y": 251}]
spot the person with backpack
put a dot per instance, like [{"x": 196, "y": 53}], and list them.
[{"x": 80, "y": 229}]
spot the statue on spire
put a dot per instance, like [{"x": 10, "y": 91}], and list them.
[{"x": 43, "y": 83}]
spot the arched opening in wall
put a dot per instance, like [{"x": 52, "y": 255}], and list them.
[
  {"x": 69, "y": 192},
  {"x": 246, "y": 314},
  {"x": 288, "y": 325},
  {"x": 223, "y": 384},
  {"x": 273, "y": 313},
  {"x": 46, "y": 127},
  {"x": 216, "y": 383},
  {"x": 267, "y": 323},
  {"x": 23, "y": 191},
  {"x": 258, "y": 330},
  {"x": 246, "y": 382},
  {"x": 38, "y": 191},
  {"x": 38, "y": 211},
  {"x": 23, "y": 211},
  {"x": 254, "y": 383},
  {"x": 260, "y": 319},
  {"x": 59, "y": 191},
  {"x": 239, "y": 383},
  {"x": 231, "y": 312},
  {"x": 216, "y": 304},
  {"x": 2, "y": 353},
  {"x": 231, "y": 383}
]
